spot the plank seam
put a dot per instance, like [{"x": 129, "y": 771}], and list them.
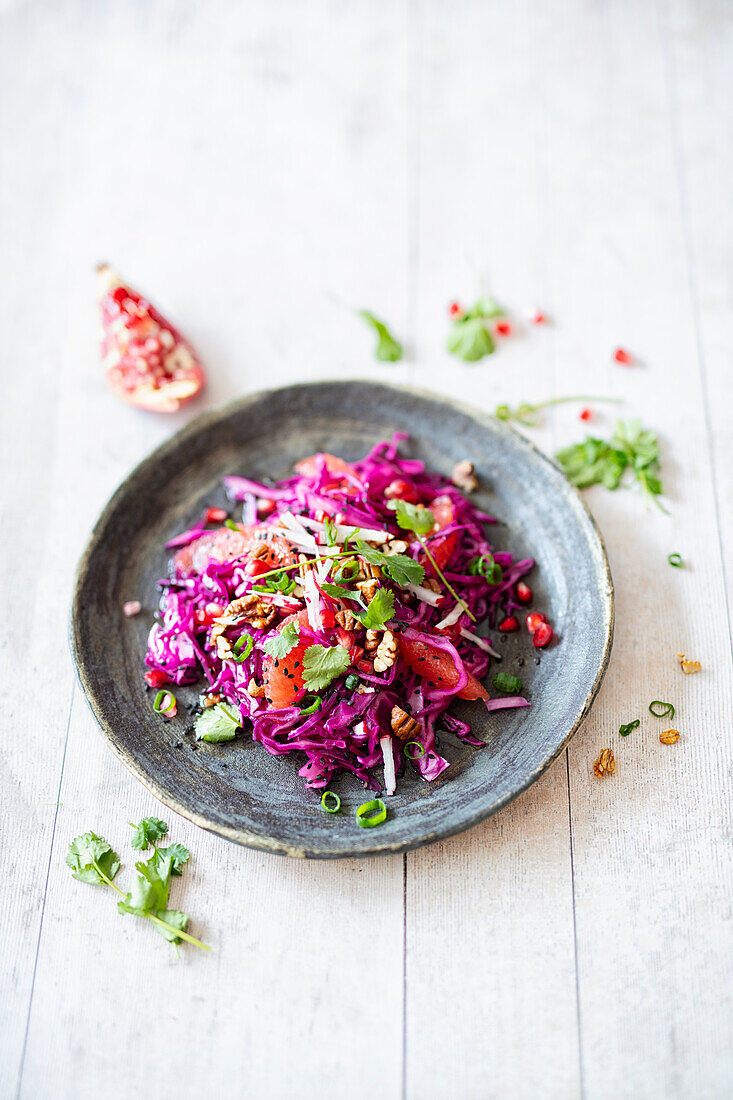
[{"x": 21, "y": 1066}]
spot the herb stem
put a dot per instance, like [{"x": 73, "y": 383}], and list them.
[
  {"x": 447, "y": 584},
  {"x": 178, "y": 932},
  {"x": 109, "y": 881}
]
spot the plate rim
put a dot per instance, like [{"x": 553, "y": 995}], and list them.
[{"x": 207, "y": 419}]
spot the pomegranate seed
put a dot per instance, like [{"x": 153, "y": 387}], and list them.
[
  {"x": 622, "y": 356},
  {"x": 542, "y": 635},
  {"x": 537, "y": 318},
  {"x": 215, "y": 515},
  {"x": 524, "y": 592},
  {"x": 534, "y": 620},
  {"x": 503, "y": 328},
  {"x": 455, "y": 309},
  {"x": 585, "y": 414},
  {"x": 265, "y": 506},
  {"x": 132, "y": 607},
  {"x": 509, "y": 626},
  {"x": 401, "y": 490},
  {"x": 156, "y": 678},
  {"x": 255, "y": 567}
]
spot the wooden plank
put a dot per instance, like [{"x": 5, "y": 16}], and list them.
[{"x": 230, "y": 166}]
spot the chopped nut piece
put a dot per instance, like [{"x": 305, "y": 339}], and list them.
[
  {"x": 255, "y": 690},
  {"x": 431, "y": 584},
  {"x": 260, "y": 550},
  {"x": 209, "y": 700},
  {"x": 669, "y": 737},
  {"x": 404, "y": 725},
  {"x": 368, "y": 589},
  {"x": 364, "y": 690},
  {"x": 605, "y": 764},
  {"x": 372, "y": 640},
  {"x": 367, "y": 571},
  {"x": 464, "y": 476},
  {"x": 250, "y": 608},
  {"x": 395, "y": 546},
  {"x": 386, "y": 652},
  {"x": 688, "y": 667},
  {"x": 344, "y": 618},
  {"x": 305, "y": 566}
]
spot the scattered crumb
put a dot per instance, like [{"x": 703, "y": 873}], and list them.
[
  {"x": 132, "y": 607},
  {"x": 688, "y": 667}
]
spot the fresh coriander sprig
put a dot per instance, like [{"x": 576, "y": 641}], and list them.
[
  {"x": 93, "y": 860},
  {"x": 323, "y": 664},
  {"x": 528, "y": 414},
  {"x": 279, "y": 645},
  {"x": 604, "y": 462},
  {"x": 388, "y": 350},
  {"x": 470, "y": 336},
  {"x": 420, "y": 520}
]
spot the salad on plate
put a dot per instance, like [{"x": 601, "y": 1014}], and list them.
[{"x": 341, "y": 615}]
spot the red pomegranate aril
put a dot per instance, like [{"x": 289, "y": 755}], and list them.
[
  {"x": 534, "y": 620},
  {"x": 585, "y": 414},
  {"x": 524, "y": 592},
  {"x": 542, "y": 635},
  {"x": 401, "y": 490},
  {"x": 215, "y": 515},
  {"x": 455, "y": 309},
  {"x": 155, "y": 678},
  {"x": 265, "y": 506},
  {"x": 503, "y": 328},
  {"x": 623, "y": 356},
  {"x": 510, "y": 625},
  {"x": 538, "y": 317},
  {"x": 255, "y": 567}
]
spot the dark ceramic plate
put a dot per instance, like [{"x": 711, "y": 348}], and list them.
[{"x": 237, "y": 789}]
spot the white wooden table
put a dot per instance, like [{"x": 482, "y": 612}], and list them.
[{"x": 261, "y": 169}]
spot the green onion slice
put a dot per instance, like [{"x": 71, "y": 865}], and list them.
[
  {"x": 349, "y": 571},
  {"x": 511, "y": 685},
  {"x": 626, "y": 730},
  {"x": 242, "y": 648},
  {"x": 415, "y": 745},
  {"x": 667, "y": 709},
  {"x": 485, "y": 566},
  {"x": 351, "y": 681},
  {"x": 371, "y": 813},
  {"x": 330, "y": 802},
  {"x": 310, "y": 704},
  {"x": 160, "y": 697},
  {"x": 232, "y": 525},
  {"x": 675, "y": 560}
]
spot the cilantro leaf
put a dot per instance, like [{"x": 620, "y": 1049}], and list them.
[
  {"x": 603, "y": 462},
  {"x": 322, "y": 664},
  {"x": 379, "y": 610},
  {"x": 279, "y": 645},
  {"x": 176, "y": 853},
  {"x": 340, "y": 593},
  {"x": 412, "y": 517},
  {"x": 89, "y": 855},
  {"x": 217, "y": 724},
  {"x": 470, "y": 339},
  {"x": 147, "y": 832},
  {"x": 150, "y": 888},
  {"x": 401, "y": 569},
  {"x": 175, "y": 919},
  {"x": 388, "y": 350}
]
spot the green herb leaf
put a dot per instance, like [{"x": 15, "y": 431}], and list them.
[
  {"x": 322, "y": 664},
  {"x": 510, "y": 685},
  {"x": 89, "y": 855},
  {"x": 176, "y": 853},
  {"x": 174, "y": 919},
  {"x": 340, "y": 593},
  {"x": 400, "y": 568},
  {"x": 412, "y": 517},
  {"x": 379, "y": 610},
  {"x": 388, "y": 350},
  {"x": 602, "y": 462},
  {"x": 470, "y": 339},
  {"x": 147, "y": 832},
  {"x": 218, "y": 723},
  {"x": 279, "y": 645}
]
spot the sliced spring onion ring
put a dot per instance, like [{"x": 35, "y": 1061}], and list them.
[
  {"x": 310, "y": 704},
  {"x": 242, "y": 648},
  {"x": 676, "y": 560},
  {"x": 158, "y": 702},
  {"x": 349, "y": 571},
  {"x": 414, "y": 755},
  {"x": 371, "y": 813},
  {"x": 351, "y": 681},
  {"x": 505, "y": 682},
  {"x": 626, "y": 730},
  {"x": 330, "y": 802},
  {"x": 485, "y": 566},
  {"x": 667, "y": 710},
  {"x": 232, "y": 525}
]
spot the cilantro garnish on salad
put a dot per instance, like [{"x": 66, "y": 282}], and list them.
[{"x": 342, "y": 626}]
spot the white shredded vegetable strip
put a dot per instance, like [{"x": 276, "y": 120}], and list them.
[
  {"x": 293, "y": 531},
  {"x": 359, "y": 732},
  {"x": 342, "y": 533},
  {"x": 452, "y": 617},
  {"x": 313, "y": 601},
  {"x": 480, "y": 642},
  {"x": 425, "y": 594},
  {"x": 390, "y": 781}
]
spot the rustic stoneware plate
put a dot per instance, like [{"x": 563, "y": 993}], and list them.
[{"x": 237, "y": 789}]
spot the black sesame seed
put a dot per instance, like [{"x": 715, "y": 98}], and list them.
[
  {"x": 520, "y": 661},
  {"x": 536, "y": 660},
  {"x": 178, "y": 745}
]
